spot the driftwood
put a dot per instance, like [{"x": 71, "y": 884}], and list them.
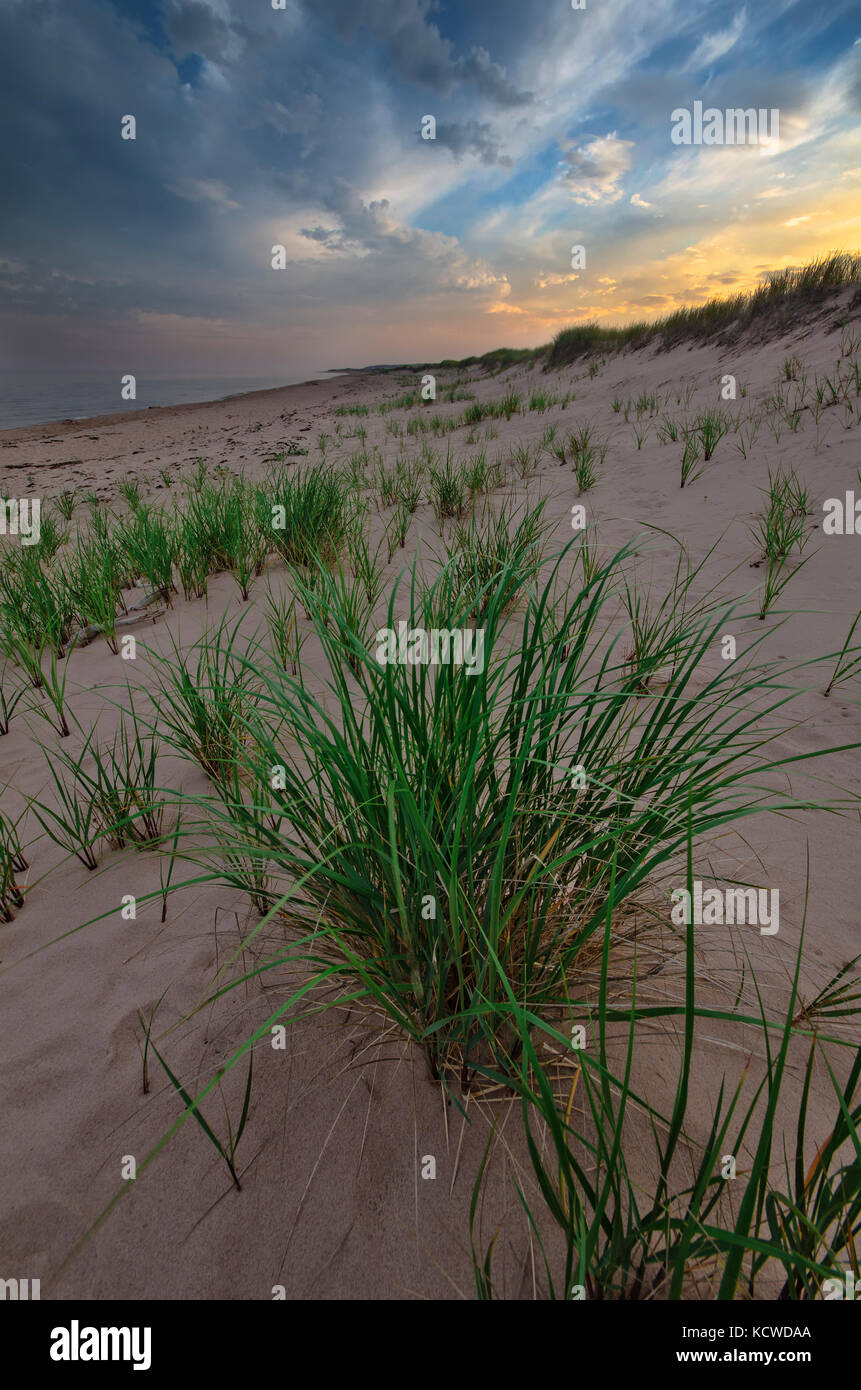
[{"x": 87, "y": 634}]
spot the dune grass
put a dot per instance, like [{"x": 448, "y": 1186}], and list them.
[
  {"x": 587, "y": 455},
  {"x": 449, "y": 794},
  {"x": 12, "y": 865},
  {"x": 496, "y": 541},
  {"x": 717, "y": 1233},
  {"x": 200, "y": 697},
  {"x": 782, "y": 292},
  {"x": 848, "y": 663}
]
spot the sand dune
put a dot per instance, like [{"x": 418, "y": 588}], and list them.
[{"x": 332, "y": 1202}]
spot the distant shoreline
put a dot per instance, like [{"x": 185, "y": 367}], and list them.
[{"x": 119, "y": 417}]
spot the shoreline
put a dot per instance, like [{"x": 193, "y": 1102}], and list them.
[
  {"x": 68, "y": 424},
  {"x": 154, "y": 445}
]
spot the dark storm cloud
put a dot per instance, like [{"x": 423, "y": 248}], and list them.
[
  {"x": 490, "y": 79},
  {"x": 321, "y": 234},
  {"x": 194, "y": 27},
  {"x": 472, "y": 137},
  {"x": 419, "y": 52}
]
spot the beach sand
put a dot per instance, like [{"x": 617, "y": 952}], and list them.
[{"x": 333, "y": 1204}]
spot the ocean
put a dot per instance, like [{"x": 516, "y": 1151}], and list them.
[{"x": 31, "y": 397}]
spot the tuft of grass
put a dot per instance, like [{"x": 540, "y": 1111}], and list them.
[
  {"x": 37, "y": 611},
  {"x": 778, "y": 573},
  {"x": 791, "y": 368},
  {"x": 613, "y": 1239},
  {"x": 780, "y": 531},
  {"x": 668, "y": 430},
  {"x": 129, "y": 490},
  {"x": 52, "y": 706},
  {"x": 123, "y": 787},
  {"x": 455, "y": 784},
  {"x": 310, "y": 516},
  {"x": 287, "y": 637},
  {"x": 587, "y": 454},
  {"x": 526, "y": 460},
  {"x": 658, "y": 628},
  {"x": 497, "y": 547},
  {"x": 202, "y": 699},
  {"x": 66, "y": 502},
  {"x": 782, "y": 528},
  {"x": 11, "y": 695},
  {"x": 396, "y": 530},
  {"x": 51, "y": 539},
  {"x": 227, "y": 1149},
  {"x": 475, "y": 474},
  {"x": 708, "y": 429},
  {"x": 848, "y": 664},
  {"x": 641, "y": 434},
  {"x": 291, "y": 450},
  {"x": 692, "y": 461},
  {"x": 95, "y": 575},
  {"x": 368, "y": 566},
  {"x": 12, "y": 865},
  {"x": 150, "y": 543},
  {"x": 73, "y": 821},
  {"x": 448, "y": 490}
]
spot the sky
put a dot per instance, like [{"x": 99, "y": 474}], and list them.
[{"x": 302, "y": 127}]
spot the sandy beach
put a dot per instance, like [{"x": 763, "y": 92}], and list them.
[{"x": 333, "y": 1203}]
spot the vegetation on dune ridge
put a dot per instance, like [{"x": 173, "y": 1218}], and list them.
[{"x": 781, "y": 293}]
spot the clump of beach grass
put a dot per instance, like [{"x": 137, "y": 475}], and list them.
[{"x": 455, "y": 784}]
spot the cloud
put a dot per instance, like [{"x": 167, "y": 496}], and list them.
[
  {"x": 412, "y": 259},
  {"x": 300, "y": 127},
  {"x": 321, "y": 234},
  {"x": 418, "y": 50},
  {"x": 195, "y": 26},
  {"x": 554, "y": 280},
  {"x": 594, "y": 170},
  {"x": 305, "y": 113},
  {"x": 490, "y": 79},
  {"x": 714, "y": 46},
  {"x": 472, "y": 137},
  {"x": 202, "y": 191}
]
